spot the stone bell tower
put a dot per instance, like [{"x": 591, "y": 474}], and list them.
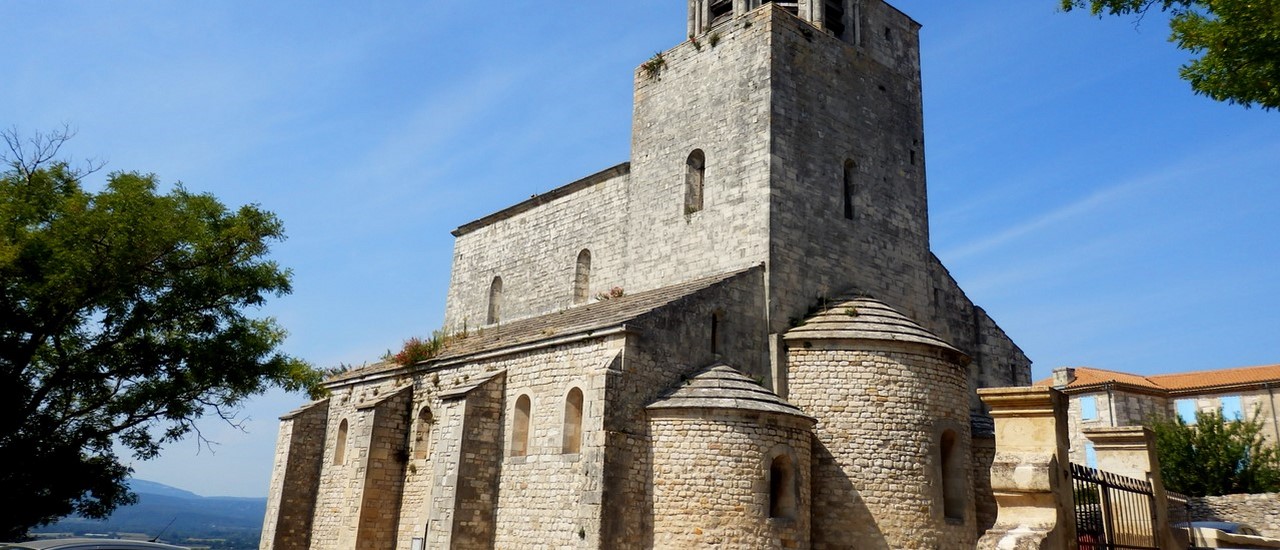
[{"x": 794, "y": 131}]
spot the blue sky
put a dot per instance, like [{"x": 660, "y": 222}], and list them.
[{"x": 1101, "y": 213}]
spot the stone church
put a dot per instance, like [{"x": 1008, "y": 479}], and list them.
[{"x": 738, "y": 339}]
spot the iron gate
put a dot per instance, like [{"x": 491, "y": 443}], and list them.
[{"x": 1112, "y": 511}]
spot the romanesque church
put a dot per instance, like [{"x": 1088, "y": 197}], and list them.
[{"x": 739, "y": 338}]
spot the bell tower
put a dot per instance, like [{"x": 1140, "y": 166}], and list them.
[{"x": 799, "y": 130}]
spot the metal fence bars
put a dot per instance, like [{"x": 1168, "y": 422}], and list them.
[{"x": 1113, "y": 511}]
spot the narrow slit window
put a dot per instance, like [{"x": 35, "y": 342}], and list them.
[
  {"x": 849, "y": 187},
  {"x": 582, "y": 277},
  {"x": 572, "y": 441},
  {"x": 715, "y": 332},
  {"x": 495, "y": 301},
  {"x": 520, "y": 427},
  {"x": 694, "y": 180},
  {"x": 953, "y": 478}
]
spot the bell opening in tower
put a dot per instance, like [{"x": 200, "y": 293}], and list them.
[
  {"x": 792, "y": 7},
  {"x": 721, "y": 11},
  {"x": 833, "y": 17}
]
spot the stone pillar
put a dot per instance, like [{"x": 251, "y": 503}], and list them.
[
  {"x": 1029, "y": 476},
  {"x": 1130, "y": 451}
]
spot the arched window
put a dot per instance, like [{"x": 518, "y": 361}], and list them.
[
  {"x": 953, "y": 478},
  {"x": 340, "y": 445},
  {"x": 520, "y": 427},
  {"x": 849, "y": 187},
  {"x": 782, "y": 487},
  {"x": 572, "y": 442},
  {"x": 422, "y": 434},
  {"x": 495, "y": 301},
  {"x": 694, "y": 178},
  {"x": 582, "y": 277}
]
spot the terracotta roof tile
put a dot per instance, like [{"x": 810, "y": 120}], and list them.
[
  {"x": 1218, "y": 378},
  {"x": 1176, "y": 382}
]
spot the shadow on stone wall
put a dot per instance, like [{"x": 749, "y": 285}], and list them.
[{"x": 840, "y": 518}]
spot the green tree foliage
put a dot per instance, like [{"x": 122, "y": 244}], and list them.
[
  {"x": 1216, "y": 456},
  {"x": 122, "y": 322},
  {"x": 1238, "y": 42}
]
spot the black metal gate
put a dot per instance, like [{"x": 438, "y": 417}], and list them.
[{"x": 1113, "y": 511}]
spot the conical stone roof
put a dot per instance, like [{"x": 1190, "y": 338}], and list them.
[
  {"x": 864, "y": 318},
  {"x": 721, "y": 386}
]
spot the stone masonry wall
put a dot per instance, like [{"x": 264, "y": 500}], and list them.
[
  {"x": 832, "y": 103},
  {"x": 710, "y": 472},
  {"x": 536, "y": 252},
  {"x": 549, "y": 498},
  {"x": 710, "y": 98},
  {"x": 479, "y": 466},
  {"x": 342, "y": 483},
  {"x": 295, "y": 475},
  {"x": 666, "y": 345},
  {"x": 984, "y": 501},
  {"x": 468, "y": 492},
  {"x": 1261, "y": 511},
  {"x": 386, "y": 445},
  {"x": 835, "y": 102},
  {"x": 881, "y": 413},
  {"x": 714, "y": 99}
]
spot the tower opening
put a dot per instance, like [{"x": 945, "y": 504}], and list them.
[
  {"x": 792, "y": 7},
  {"x": 833, "y": 17},
  {"x": 721, "y": 11}
]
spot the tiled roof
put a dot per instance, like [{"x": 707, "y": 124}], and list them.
[
  {"x": 1089, "y": 376},
  {"x": 721, "y": 386},
  {"x": 865, "y": 319},
  {"x": 1218, "y": 378},
  {"x": 1176, "y": 382},
  {"x": 575, "y": 320}
]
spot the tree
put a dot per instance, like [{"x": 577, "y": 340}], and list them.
[
  {"x": 1216, "y": 456},
  {"x": 1238, "y": 42},
  {"x": 123, "y": 320}
]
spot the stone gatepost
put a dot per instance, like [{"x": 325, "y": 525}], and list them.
[
  {"x": 1130, "y": 451},
  {"x": 1029, "y": 476}
]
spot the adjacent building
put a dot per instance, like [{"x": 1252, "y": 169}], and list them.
[{"x": 1103, "y": 398}]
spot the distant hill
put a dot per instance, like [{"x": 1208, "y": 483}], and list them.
[{"x": 178, "y": 516}]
